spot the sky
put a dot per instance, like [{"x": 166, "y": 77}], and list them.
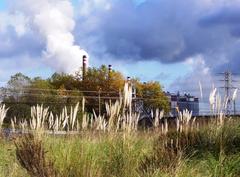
[
  {"x": 176, "y": 42},
  {"x": 2, "y": 5}
]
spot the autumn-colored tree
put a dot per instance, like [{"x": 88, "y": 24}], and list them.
[
  {"x": 101, "y": 79},
  {"x": 152, "y": 95},
  {"x": 101, "y": 85}
]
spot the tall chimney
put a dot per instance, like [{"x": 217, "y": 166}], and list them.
[
  {"x": 109, "y": 71},
  {"x": 84, "y": 67},
  {"x": 110, "y": 68}
]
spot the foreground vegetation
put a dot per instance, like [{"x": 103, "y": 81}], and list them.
[
  {"x": 77, "y": 144},
  {"x": 211, "y": 151}
]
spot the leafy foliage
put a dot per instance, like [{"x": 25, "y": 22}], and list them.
[
  {"x": 153, "y": 96},
  {"x": 98, "y": 87}
]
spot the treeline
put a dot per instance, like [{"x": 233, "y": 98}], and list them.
[{"x": 99, "y": 85}]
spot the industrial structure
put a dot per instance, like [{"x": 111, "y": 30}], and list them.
[
  {"x": 84, "y": 67},
  {"x": 180, "y": 102},
  {"x": 177, "y": 102}
]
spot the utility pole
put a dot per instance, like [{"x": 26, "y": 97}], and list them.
[{"x": 99, "y": 101}]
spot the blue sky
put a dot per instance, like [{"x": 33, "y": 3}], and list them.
[
  {"x": 178, "y": 43},
  {"x": 2, "y": 4}
]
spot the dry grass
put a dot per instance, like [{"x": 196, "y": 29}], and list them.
[{"x": 31, "y": 155}]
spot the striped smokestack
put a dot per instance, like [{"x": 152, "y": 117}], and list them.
[
  {"x": 109, "y": 68},
  {"x": 84, "y": 67},
  {"x": 109, "y": 71}
]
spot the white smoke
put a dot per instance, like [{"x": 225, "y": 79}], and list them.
[{"x": 54, "y": 20}]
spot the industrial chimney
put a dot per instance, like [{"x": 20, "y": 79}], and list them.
[
  {"x": 109, "y": 71},
  {"x": 84, "y": 69},
  {"x": 134, "y": 91},
  {"x": 110, "y": 68}
]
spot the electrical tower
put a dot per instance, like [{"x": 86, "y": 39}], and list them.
[{"x": 228, "y": 87}]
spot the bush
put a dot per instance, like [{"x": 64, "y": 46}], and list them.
[{"x": 32, "y": 156}]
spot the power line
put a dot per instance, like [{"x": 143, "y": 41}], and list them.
[{"x": 58, "y": 90}]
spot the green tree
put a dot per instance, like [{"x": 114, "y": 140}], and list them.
[
  {"x": 18, "y": 81},
  {"x": 14, "y": 96},
  {"x": 60, "y": 80},
  {"x": 39, "y": 92}
]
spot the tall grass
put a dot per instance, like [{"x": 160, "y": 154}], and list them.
[
  {"x": 98, "y": 154},
  {"x": 110, "y": 145}
]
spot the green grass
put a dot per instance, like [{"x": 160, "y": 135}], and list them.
[
  {"x": 211, "y": 151},
  {"x": 8, "y": 162}
]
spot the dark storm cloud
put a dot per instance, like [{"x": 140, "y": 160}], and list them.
[
  {"x": 168, "y": 31},
  {"x": 224, "y": 16},
  {"x": 227, "y": 18},
  {"x": 148, "y": 31}
]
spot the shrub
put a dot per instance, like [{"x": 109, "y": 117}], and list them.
[{"x": 31, "y": 155}]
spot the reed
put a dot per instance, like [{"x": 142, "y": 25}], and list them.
[{"x": 3, "y": 113}]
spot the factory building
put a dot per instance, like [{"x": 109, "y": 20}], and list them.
[{"x": 183, "y": 102}]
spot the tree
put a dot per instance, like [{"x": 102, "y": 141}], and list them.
[
  {"x": 18, "y": 81},
  {"x": 14, "y": 97},
  {"x": 40, "y": 92},
  {"x": 153, "y": 96},
  {"x": 100, "y": 84},
  {"x": 98, "y": 87},
  {"x": 100, "y": 79},
  {"x": 59, "y": 80},
  {"x": 17, "y": 85}
]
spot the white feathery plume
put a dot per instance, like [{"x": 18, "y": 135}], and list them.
[
  {"x": 201, "y": 90},
  {"x": 3, "y": 113},
  {"x": 234, "y": 97},
  {"x": 212, "y": 98}
]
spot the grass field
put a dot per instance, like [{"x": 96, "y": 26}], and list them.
[
  {"x": 112, "y": 145},
  {"x": 211, "y": 151}
]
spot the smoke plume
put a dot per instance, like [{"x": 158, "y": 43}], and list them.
[{"x": 54, "y": 21}]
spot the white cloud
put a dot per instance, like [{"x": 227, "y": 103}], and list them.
[
  {"x": 198, "y": 72},
  {"x": 16, "y": 20},
  {"x": 197, "y": 64},
  {"x": 87, "y": 7}
]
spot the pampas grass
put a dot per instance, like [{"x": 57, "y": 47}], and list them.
[
  {"x": 183, "y": 120},
  {"x": 118, "y": 117},
  {"x": 39, "y": 115},
  {"x": 13, "y": 123},
  {"x": 3, "y": 113}
]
